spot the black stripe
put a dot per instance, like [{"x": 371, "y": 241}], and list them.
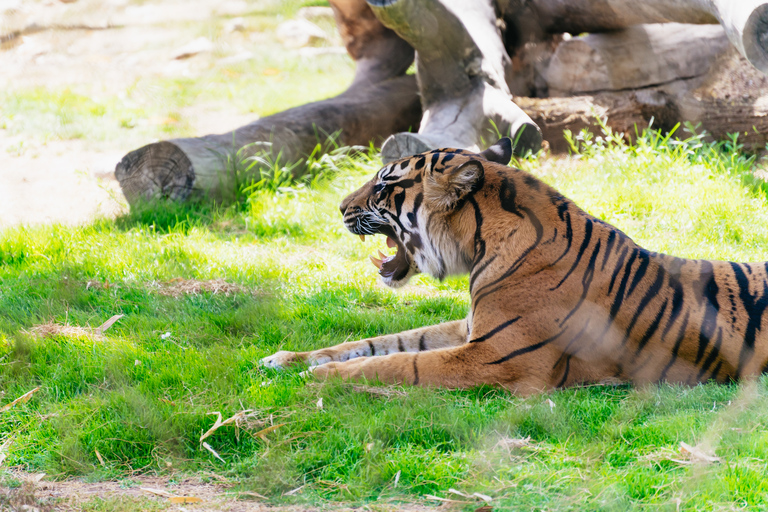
[
  {"x": 491, "y": 287},
  {"x": 422, "y": 343},
  {"x": 370, "y": 347},
  {"x": 433, "y": 162},
  {"x": 415, "y": 370},
  {"x": 495, "y": 330},
  {"x": 712, "y": 354},
  {"x": 709, "y": 320},
  {"x": 584, "y": 244},
  {"x": 754, "y": 310},
  {"x": 619, "y": 299},
  {"x": 508, "y": 195},
  {"x": 565, "y": 372},
  {"x": 651, "y": 329},
  {"x": 526, "y": 350},
  {"x": 677, "y": 305},
  {"x": 713, "y": 375},
  {"x": 618, "y": 267},
  {"x": 586, "y": 282},
  {"x": 565, "y": 216},
  {"x": 640, "y": 272},
  {"x": 400, "y": 345},
  {"x": 412, "y": 217},
  {"x": 608, "y": 246},
  {"x": 676, "y": 347},
  {"x": 652, "y": 291},
  {"x": 479, "y": 243}
]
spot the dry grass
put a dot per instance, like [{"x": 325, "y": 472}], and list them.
[
  {"x": 51, "y": 328},
  {"x": 178, "y": 287}
]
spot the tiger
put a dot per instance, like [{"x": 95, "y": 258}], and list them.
[{"x": 558, "y": 297}]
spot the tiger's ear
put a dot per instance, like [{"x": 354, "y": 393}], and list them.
[
  {"x": 445, "y": 190},
  {"x": 500, "y": 152}
]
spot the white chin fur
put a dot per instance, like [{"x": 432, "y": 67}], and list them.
[{"x": 402, "y": 282}]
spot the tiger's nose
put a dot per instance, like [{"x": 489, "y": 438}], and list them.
[{"x": 345, "y": 203}]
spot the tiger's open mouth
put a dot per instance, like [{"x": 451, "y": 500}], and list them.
[{"x": 392, "y": 267}]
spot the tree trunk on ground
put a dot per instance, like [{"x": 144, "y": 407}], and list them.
[
  {"x": 711, "y": 102},
  {"x": 463, "y": 70},
  {"x": 639, "y": 56},
  {"x": 745, "y": 21},
  {"x": 207, "y": 165}
]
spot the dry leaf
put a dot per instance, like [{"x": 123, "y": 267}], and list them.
[
  {"x": 251, "y": 494},
  {"x": 444, "y": 500},
  {"x": 263, "y": 433},
  {"x": 109, "y": 323},
  {"x": 23, "y": 398},
  {"x": 319, "y": 403},
  {"x": 697, "y": 454},
  {"x": 484, "y": 508},
  {"x": 98, "y": 456},
  {"x": 454, "y": 491},
  {"x": 551, "y": 404},
  {"x": 483, "y": 497},
  {"x": 4, "y": 449},
  {"x": 166, "y": 401},
  {"x": 509, "y": 442},
  {"x": 208, "y": 447},
  {"x": 236, "y": 419},
  {"x": 157, "y": 492},
  {"x": 35, "y": 479},
  {"x": 294, "y": 491},
  {"x": 184, "y": 499},
  {"x": 369, "y": 447},
  {"x": 397, "y": 478},
  {"x": 380, "y": 391}
]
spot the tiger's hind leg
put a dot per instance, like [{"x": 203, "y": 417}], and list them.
[{"x": 449, "y": 334}]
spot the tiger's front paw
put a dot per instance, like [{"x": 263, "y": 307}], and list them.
[{"x": 281, "y": 360}]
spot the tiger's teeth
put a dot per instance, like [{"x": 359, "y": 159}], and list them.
[
  {"x": 376, "y": 261},
  {"x": 383, "y": 256},
  {"x": 362, "y": 237}
]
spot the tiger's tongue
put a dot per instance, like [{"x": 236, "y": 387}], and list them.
[{"x": 383, "y": 258}]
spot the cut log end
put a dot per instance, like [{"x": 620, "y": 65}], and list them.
[
  {"x": 756, "y": 38},
  {"x": 156, "y": 171},
  {"x": 526, "y": 138}
]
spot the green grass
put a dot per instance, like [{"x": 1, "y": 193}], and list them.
[{"x": 143, "y": 397}]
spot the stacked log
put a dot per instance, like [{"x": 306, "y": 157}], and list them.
[{"x": 485, "y": 67}]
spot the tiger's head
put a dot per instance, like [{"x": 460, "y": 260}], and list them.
[{"x": 411, "y": 200}]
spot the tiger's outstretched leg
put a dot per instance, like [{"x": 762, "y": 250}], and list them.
[
  {"x": 449, "y": 334},
  {"x": 469, "y": 365}
]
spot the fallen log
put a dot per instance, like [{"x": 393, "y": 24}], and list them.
[
  {"x": 719, "y": 103},
  {"x": 635, "y": 57},
  {"x": 462, "y": 68},
  {"x": 381, "y": 101},
  {"x": 177, "y": 168},
  {"x": 745, "y": 21}
]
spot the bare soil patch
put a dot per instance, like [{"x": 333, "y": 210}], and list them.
[
  {"x": 97, "y": 49},
  {"x": 150, "y": 492}
]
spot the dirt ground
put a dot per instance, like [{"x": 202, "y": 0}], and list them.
[
  {"x": 37, "y": 494},
  {"x": 99, "y": 48}
]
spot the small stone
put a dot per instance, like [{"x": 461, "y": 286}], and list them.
[
  {"x": 298, "y": 33},
  {"x": 234, "y": 25},
  {"x": 194, "y": 47}
]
